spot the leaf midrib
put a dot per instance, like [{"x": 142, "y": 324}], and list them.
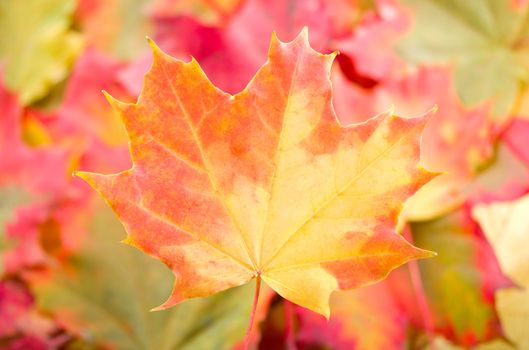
[
  {"x": 276, "y": 161},
  {"x": 210, "y": 177}
]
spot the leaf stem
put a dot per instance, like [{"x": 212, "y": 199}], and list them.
[{"x": 247, "y": 337}]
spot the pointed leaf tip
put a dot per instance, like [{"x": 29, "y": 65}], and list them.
[
  {"x": 427, "y": 254},
  {"x": 304, "y": 32},
  {"x": 115, "y": 103},
  {"x": 155, "y": 49},
  {"x": 158, "y": 308},
  {"x": 304, "y": 36},
  {"x": 78, "y": 173}
]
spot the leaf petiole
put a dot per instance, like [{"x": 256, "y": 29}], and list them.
[{"x": 247, "y": 337}]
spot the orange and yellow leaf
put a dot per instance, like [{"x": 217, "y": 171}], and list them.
[{"x": 225, "y": 188}]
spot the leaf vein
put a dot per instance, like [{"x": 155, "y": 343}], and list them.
[
  {"x": 204, "y": 159},
  {"x": 332, "y": 198},
  {"x": 193, "y": 235},
  {"x": 277, "y": 154}
]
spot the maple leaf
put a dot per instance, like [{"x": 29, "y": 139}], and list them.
[
  {"x": 264, "y": 184},
  {"x": 41, "y": 46},
  {"x": 465, "y": 270},
  {"x": 489, "y": 55}
]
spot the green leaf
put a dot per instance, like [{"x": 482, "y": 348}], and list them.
[
  {"x": 454, "y": 282},
  {"x": 104, "y": 294},
  {"x": 38, "y": 47},
  {"x": 485, "y": 40}
]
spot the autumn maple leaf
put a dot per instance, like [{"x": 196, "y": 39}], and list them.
[{"x": 263, "y": 184}]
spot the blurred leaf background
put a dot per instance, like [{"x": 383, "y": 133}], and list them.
[{"x": 66, "y": 281}]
